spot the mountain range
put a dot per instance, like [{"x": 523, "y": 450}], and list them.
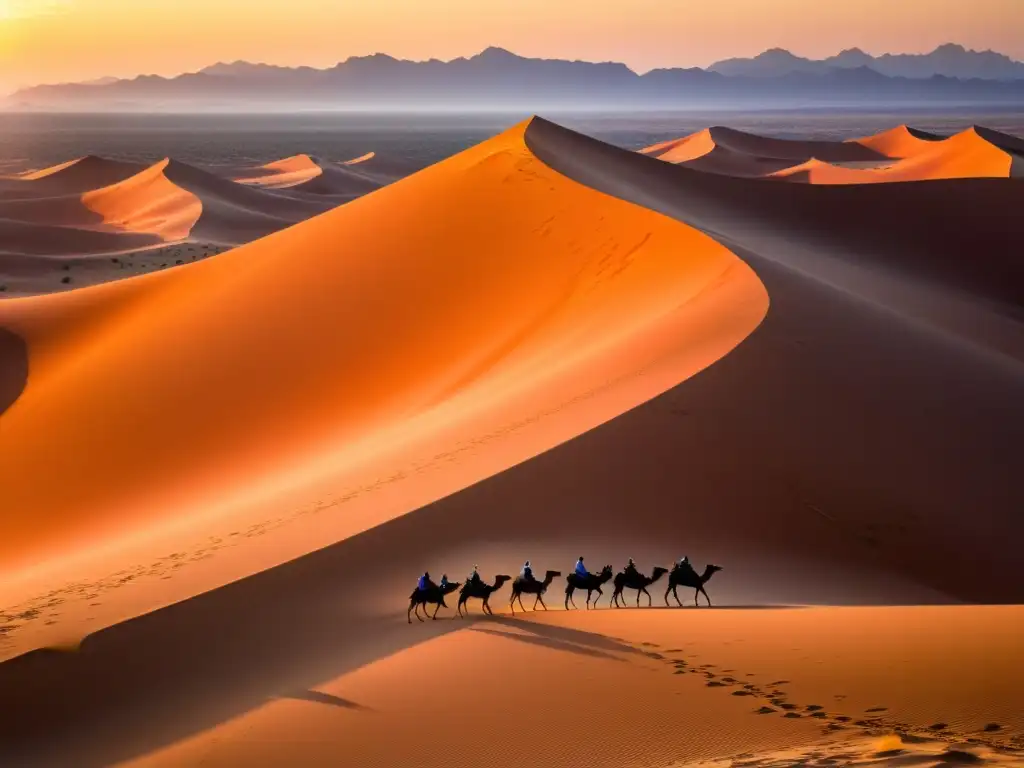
[
  {"x": 497, "y": 78},
  {"x": 949, "y": 60}
]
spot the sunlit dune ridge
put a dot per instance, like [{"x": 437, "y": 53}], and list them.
[
  {"x": 486, "y": 304},
  {"x": 899, "y": 154},
  {"x": 309, "y": 174},
  {"x": 282, "y": 173},
  {"x": 147, "y": 202}
]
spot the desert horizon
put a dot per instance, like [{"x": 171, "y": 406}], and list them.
[{"x": 678, "y": 413}]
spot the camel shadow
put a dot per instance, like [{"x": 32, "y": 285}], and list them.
[
  {"x": 552, "y": 643},
  {"x": 761, "y": 607},
  {"x": 571, "y": 639},
  {"x": 319, "y": 697}
]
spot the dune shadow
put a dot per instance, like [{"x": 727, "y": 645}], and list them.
[
  {"x": 13, "y": 368},
  {"x": 753, "y": 607},
  {"x": 550, "y": 642},
  {"x": 319, "y": 697}
]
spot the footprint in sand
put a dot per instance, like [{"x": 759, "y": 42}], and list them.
[
  {"x": 742, "y": 693},
  {"x": 814, "y": 707},
  {"x": 714, "y": 684},
  {"x": 780, "y": 682},
  {"x": 992, "y": 728},
  {"x": 792, "y": 715},
  {"x": 938, "y": 727},
  {"x": 765, "y": 711},
  {"x": 877, "y": 709}
]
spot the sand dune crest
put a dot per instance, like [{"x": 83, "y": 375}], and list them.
[
  {"x": 287, "y": 330},
  {"x": 148, "y": 203},
  {"x": 899, "y": 142}
]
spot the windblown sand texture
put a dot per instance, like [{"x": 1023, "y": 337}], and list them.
[{"x": 225, "y": 477}]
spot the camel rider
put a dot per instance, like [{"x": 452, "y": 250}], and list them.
[
  {"x": 630, "y": 569},
  {"x": 527, "y": 573},
  {"x": 581, "y": 569},
  {"x": 444, "y": 580},
  {"x": 474, "y": 575},
  {"x": 424, "y": 583},
  {"x": 684, "y": 563}
]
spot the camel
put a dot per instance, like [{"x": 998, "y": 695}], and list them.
[
  {"x": 531, "y": 587},
  {"x": 592, "y": 583},
  {"x": 685, "y": 576},
  {"x": 481, "y": 590},
  {"x": 639, "y": 582},
  {"x": 434, "y": 594}
]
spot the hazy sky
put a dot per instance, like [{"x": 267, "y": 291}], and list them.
[{"x": 69, "y": 40}]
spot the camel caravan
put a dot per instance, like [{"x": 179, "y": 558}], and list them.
[{"x": 682, "y": 574}]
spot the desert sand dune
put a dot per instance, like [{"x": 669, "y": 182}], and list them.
[
  {"x": 147, "y": 202},
  {"x": 236, "y": 213},
  {"x": 71, "y": 178},
  {"x": 852, "y": 449},
  {"x": 308, "y": 175},
  {"x": 899, "y": 154},
  {"x": 361, "y": 159},
  {"x": 692, "y": 692},
  {"x": 928, "y": 287},
  {"x": 899, "y": 142},
  {"x": 99, "y": 229},
  {"x": 747, "y": 154},
  {"x": 322, "y": 380},
  {"x": 281, "y": 173},
  {"x": 967, "y": 155},
  {"x": 26, "y": 238}
]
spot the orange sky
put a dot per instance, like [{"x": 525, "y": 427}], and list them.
[{"x": 62, "y": 40}]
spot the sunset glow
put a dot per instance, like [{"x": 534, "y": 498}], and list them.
[{"x": 70, "y": 40}]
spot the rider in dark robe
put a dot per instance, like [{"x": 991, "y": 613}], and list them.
[
  {"x": 474, "y": 576},
  {"x": 444, "y": 580},
  {"x": 527, "y": 573},
  {"x": 424, "y": 583},
  {"x": 630, "y": 569}
]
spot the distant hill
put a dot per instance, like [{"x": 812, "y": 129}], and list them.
[
  {"x": 499, "y": 79},
  {"x": 948, "y": 60}
]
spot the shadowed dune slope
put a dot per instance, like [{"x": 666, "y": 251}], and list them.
[
  {"x": 20, "y": 239},
  {"x": 484, "y": 294},
  {"x": 71, "y": 178},
  {"x": 13, "y": 368},
  {"x": 896, "y": 324}
]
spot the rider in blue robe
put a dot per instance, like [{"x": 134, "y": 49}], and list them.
[{"x": 581, "y": 570}]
